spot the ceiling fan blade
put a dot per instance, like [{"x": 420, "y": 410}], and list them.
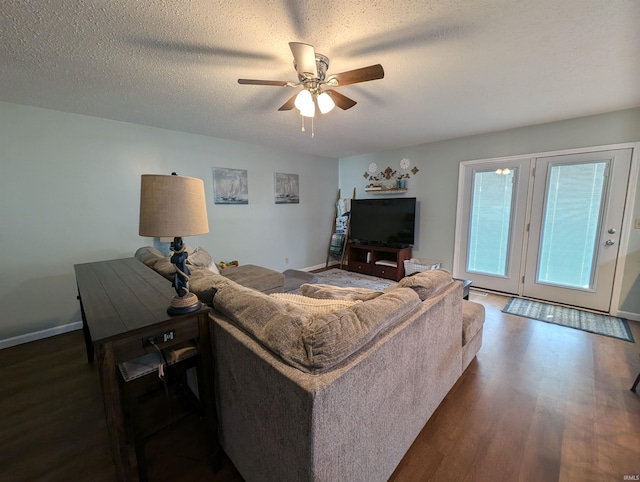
[
  {"x": 373, "y": 72},
  {"x": 304, "y": 56},
  {"x": 290, "y": 104},
  {"x": 278, "y": 83},
  {"x": 340, "y": 100}
]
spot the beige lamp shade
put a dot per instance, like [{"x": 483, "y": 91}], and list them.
[{"x": 172, "y": 206}]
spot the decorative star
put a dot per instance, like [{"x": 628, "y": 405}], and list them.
[{"x": 415, "y": 170}]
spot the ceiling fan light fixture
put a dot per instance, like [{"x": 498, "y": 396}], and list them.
[
  {"x": 311, "y": 68},
  {"x": 304, "y": 100},
  {"x": 325, "y": 103},
  {"x": 308, "y": 110}
]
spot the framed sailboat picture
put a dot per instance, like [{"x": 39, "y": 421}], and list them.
[
  {"x": 287, "y": 188},
  {"x": 230, "y": 186}
]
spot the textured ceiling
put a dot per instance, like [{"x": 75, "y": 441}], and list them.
[{"x": 452, "y": 67}]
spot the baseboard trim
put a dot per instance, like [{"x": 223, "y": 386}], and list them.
[
  {"x": 320, "y": 266},
  {"x": 39, "y": 335},
  {"x": 628, "y": 315}
]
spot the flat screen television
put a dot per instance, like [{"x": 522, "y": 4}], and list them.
[{"x": 386, "y": 222}]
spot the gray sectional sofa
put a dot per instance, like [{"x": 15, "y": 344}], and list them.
[
  {"x": 202, "y": 266},
  {"x": 335, "y": 385}
]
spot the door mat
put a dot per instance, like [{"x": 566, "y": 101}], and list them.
[{"x": 570, "y": 317}]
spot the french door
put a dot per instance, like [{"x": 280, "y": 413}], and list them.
[
  {"x": 493, "y": 226},
  {"x": 546, "y": 228}
]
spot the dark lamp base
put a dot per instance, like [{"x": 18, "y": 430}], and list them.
[{"x": 181, "y": 305}]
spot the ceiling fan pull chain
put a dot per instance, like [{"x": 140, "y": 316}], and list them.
[
  {"x": 313, "y": 134},
  {"x": 302, "y": 117}
]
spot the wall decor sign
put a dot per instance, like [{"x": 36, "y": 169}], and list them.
[
  {"x": 230, "y": 186},
  {"x": 286, "y": 188},
  {"x": 398, "y": 180}
]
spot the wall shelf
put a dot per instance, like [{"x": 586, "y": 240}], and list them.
[{"x": 385, "y": 191}]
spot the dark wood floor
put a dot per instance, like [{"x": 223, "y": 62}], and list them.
[{"x": 540, "y": 403}]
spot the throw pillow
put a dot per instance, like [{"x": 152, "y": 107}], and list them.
[
  {"x": 313, "y": 305},
  {"x": 323, "y": 291},
  {"x": 199, "y": 258},
  {"x": 213, "y": 267}
]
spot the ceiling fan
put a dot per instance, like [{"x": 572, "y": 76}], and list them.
[{"x": 312, "y": 75}]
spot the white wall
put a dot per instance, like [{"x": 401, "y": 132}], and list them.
[
  {"x": 69, "y": 193},
  {"x": 435, "y": 185}
]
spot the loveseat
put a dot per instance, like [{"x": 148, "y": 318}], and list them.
[{"x": 334, "y": 385}]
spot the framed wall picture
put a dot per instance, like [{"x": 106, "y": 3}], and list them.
[
  {"x": 230, "y": 186},
  {"x": 286, "y": 188}
]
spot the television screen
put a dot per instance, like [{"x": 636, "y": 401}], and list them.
[{"x": 387, "y": 222}]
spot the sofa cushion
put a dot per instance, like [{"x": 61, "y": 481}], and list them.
[
  {"x": 148, "y": 255},
  {"x": 314, "y": 305},
  {"x": 427, "y": 283},
  {"x": 472, "y": 320},
  {"x": 312, "y": 343},
  {"x": 203, "y": 283},
  {"x": 324, "y": 291},
  {"x": 153, "y": 258},
  {"x": 165, "y": 267},
  {"x": 333, "y": 337},
  {"x": 272, "y": 322},
  {"x": 256, "y": 277}
]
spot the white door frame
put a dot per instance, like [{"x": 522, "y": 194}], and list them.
[{"x": 627, "y": 221}]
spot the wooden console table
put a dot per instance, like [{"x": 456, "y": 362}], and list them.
[{"x": 123, "y": 303}]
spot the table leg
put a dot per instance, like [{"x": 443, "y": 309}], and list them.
[
  {"x": 635, "y": 384},
  {"x": 87, "y": 334},
  {"x": 113, "y": 411},
  {"x": 207, "y": 396}
]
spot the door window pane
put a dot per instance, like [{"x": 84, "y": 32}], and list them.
[
  {"x": 488, "y": 245},
  {"x": 571, "y": 224}
]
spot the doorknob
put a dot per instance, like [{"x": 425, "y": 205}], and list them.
[{"x": 609, "y": 242}]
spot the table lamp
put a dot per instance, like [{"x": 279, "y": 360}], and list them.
[{"x": 174, "y": 206}]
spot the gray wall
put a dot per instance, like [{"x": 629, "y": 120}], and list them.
[
  {"x": 435, "y": 185},
  {"x": 69, "y": 193}
]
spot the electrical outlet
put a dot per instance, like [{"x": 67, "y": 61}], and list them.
[
  {"x": 637, "y": 225},
  {"x": 159, "y": 338}
]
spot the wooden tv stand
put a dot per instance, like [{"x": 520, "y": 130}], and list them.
[{"x": 378, "y": 261}]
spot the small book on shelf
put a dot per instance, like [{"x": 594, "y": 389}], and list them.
[
  {"x": 386, "y": 262},
  {"x": 151, "y": 362}
]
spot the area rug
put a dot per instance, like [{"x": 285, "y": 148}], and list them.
[
  {"x": 570, "y": 317},
  {"x": 343, "y": 278}
]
